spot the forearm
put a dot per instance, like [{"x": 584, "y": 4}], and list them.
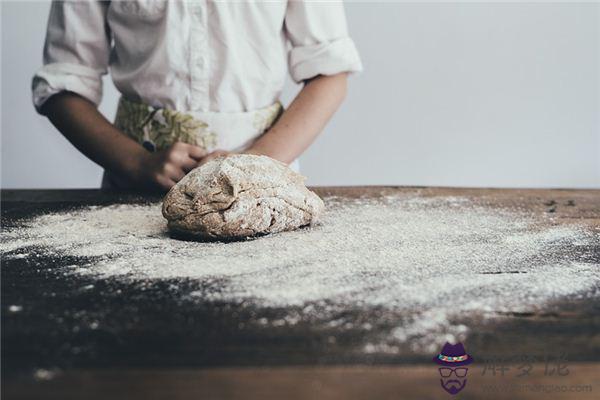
[
  {"x": 304, "y": 119},
  {"x": 87, "y": 129}
]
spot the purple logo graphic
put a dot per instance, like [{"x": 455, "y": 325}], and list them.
[{"x": 453, "y": 360}]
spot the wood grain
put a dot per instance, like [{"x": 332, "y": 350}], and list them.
[
  {"x": 293, "y": 383},
  {"x": 136, "y": 357}
]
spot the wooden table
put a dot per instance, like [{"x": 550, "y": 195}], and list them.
[{"x": 157, "y": 349}]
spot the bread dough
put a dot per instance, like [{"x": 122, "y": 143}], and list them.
[{"x": 239, "y": 196}]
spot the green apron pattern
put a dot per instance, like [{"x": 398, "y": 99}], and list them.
[{"x": 157, "y": 129}]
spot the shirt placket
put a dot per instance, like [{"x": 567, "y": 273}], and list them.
[{"x": 199, "y": 95}]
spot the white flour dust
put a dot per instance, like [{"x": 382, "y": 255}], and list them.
[{"x": 427, "y": 262}]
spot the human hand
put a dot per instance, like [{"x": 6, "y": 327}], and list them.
[{"x": 163, "y": 169}]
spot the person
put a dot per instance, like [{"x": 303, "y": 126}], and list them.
[{"x": 198, "y": 79}]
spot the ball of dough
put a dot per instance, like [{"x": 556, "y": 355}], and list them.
[{"x": 239, "y": 196}]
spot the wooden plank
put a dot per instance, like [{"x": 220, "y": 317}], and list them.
[
  {"x": 325, "y": 383},
  {"x": 209, "y": 338}
]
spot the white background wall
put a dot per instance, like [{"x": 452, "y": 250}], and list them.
[{"x": 453, "y": 94}]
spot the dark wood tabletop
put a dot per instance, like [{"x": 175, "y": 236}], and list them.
[{"x": 158, "y": 347}]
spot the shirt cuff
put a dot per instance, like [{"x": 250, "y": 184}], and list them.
[
  {"x": 58, "y": 77},
  {"x": 328, "y": 58}
]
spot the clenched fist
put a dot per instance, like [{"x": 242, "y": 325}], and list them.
[{"x": 163, "y": 169}]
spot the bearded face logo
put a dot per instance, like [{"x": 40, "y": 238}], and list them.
[
  {"x": 453, "y": 371},
  {"x": 453, "y": 380}
]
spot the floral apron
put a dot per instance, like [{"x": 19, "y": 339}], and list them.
[{"x": 158, "y": 128}]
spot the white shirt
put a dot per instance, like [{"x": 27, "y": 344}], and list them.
[{"x": 224, "y": 56}]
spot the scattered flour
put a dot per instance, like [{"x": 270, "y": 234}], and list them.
[
  {"x": 426, "y": 261},
  {"x": 15, "y": 308}
]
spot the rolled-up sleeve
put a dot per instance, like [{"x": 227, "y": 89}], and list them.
[
  {"x": 320, "y": 43},
  {"x": 76, "y": 51}
]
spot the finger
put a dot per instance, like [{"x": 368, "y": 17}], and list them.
[
  {"x": 178, "y": 175},
  {"x": 165, "y": 183},
  {"x": 196, "y": 152},
  {"x": 204, "y": 161},
  {"x": 174, "y": 172},
  {"x": 208, "y": 158},
  {"x": 188, "y": 164}
]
